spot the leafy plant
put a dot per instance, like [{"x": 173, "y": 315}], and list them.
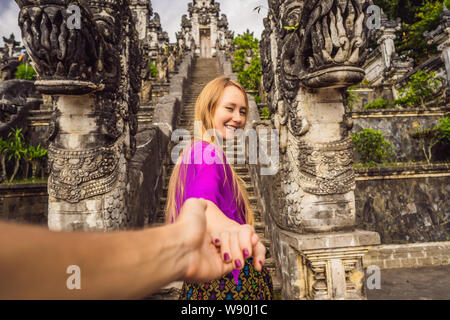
[
  {"x": 443, "y": 128},
  {"x": 15, "y": 149},
  {"x": 351, "y": 97},
  {"x": 372, "y": 147},
  {"x": 249, "y": 73},
  {"x": 420, "y": 90},
  {"x": 33, "y": 155},
  {"x": 36, "y": 154},
  {"x": 265, "y": 113},
  {"x": 153, "y": 70},
  {"x": 377, "y": 104},
  {"x": 25, "y": 72}
]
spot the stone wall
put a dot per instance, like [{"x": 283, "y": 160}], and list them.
[
  {"x": 398, "y": 125},
  {"x": 409, "y": 256},
  {"x": 147, "y": 168},
  {"x": 24, "y": 203},
  {"x": 39, "y": 127},
  {"x": 405, "y": 205}
]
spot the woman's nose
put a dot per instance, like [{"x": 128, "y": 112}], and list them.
[{"x": 237, "y": 116}]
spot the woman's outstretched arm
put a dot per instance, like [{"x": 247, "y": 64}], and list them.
[{"x": 34, "y": 261}]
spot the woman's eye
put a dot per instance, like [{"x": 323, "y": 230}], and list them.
[
  {"x": 243, "y": 112},
  {"x": 229, "y": 108}
]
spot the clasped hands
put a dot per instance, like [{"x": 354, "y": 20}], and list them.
[{"x": 213, "y": 254}]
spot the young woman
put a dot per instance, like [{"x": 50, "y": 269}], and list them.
[{"x": 202, "y": 172}]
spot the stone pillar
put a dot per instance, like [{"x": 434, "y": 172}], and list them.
[
  {"x": 385, "y": 38},
  {"x": 93, "y": 75},
  {"x": 142, "y": 10},
  {"x": 441, "y": 37},
  {"x": 310, "y": 55}
]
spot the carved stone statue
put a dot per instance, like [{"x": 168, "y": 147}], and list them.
[
  {"x": 17, "y": 97},
  {"x": 93, "y": 74},
  {"x": 311, "y": 51}
]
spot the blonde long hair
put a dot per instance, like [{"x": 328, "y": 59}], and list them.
[{"x": 205, "y": 107}]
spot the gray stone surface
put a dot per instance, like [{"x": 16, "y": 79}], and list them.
[
  {"x": 398, "y": 126},
  {"x": 428, "y": 283},
  {"x": 407, "y": 209},
  {"x": 25, "y": 203}
]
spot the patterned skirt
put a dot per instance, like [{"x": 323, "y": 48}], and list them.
[{"x": 252, "y": 285}]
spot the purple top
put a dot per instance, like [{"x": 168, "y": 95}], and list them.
[{"x": 208, "y": 176}]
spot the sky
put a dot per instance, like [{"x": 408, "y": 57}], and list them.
[{"x": 240, "y": 14}]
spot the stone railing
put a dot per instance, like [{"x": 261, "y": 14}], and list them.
[{"x": 153, "y": 143}]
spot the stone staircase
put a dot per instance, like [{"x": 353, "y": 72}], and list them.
[{"x": 206, "y": 70}]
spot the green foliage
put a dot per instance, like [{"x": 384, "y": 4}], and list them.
[
  {"x": 377, "y": 104},
  {"x": 249, "y": 73},
  {"x": 351, "y": 97},
  {"x": 246, "y": 41},
  {"x": 420, "y": 90},
  {"x": 443, "y": 129},
  {"x": 265, "y": 114},
  {"x": 417, "y": 16},
  {"x": 430, "y": 137},
  {"x": 34, "y": 155},
  {"x": 14, "y": 149},
  {"x": 25, "y": 72},
  {"x": 250, "y": 78},
  {"x": 372, "y": 147},
  {"x": 153, "y": 70},
  {"x": 15, "y": 144},
  {"x": 404, "y": 9},
  {"x": 414, "y": 43}
]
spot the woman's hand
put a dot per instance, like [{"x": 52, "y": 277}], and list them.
[{"x": 238, "y": 243}]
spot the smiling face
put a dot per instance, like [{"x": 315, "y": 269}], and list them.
[{"x": 230, "y": 113}]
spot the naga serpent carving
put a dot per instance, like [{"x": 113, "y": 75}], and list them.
[
  {"x": 309, "y": 50},
  {"x": 99, "y": 63}
]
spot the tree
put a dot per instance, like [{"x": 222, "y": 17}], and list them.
[
  {"x": 417, "y": 16},
  {"x": 247, "y": 63},
  {"x": 431, "y": 137},
  {"x": 421, "y": 89}
]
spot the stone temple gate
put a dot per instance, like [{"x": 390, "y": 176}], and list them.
[{"x": 204, "y": 28}]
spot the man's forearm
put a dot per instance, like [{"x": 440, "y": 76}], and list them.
[{"x": 115, "y": 265}]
